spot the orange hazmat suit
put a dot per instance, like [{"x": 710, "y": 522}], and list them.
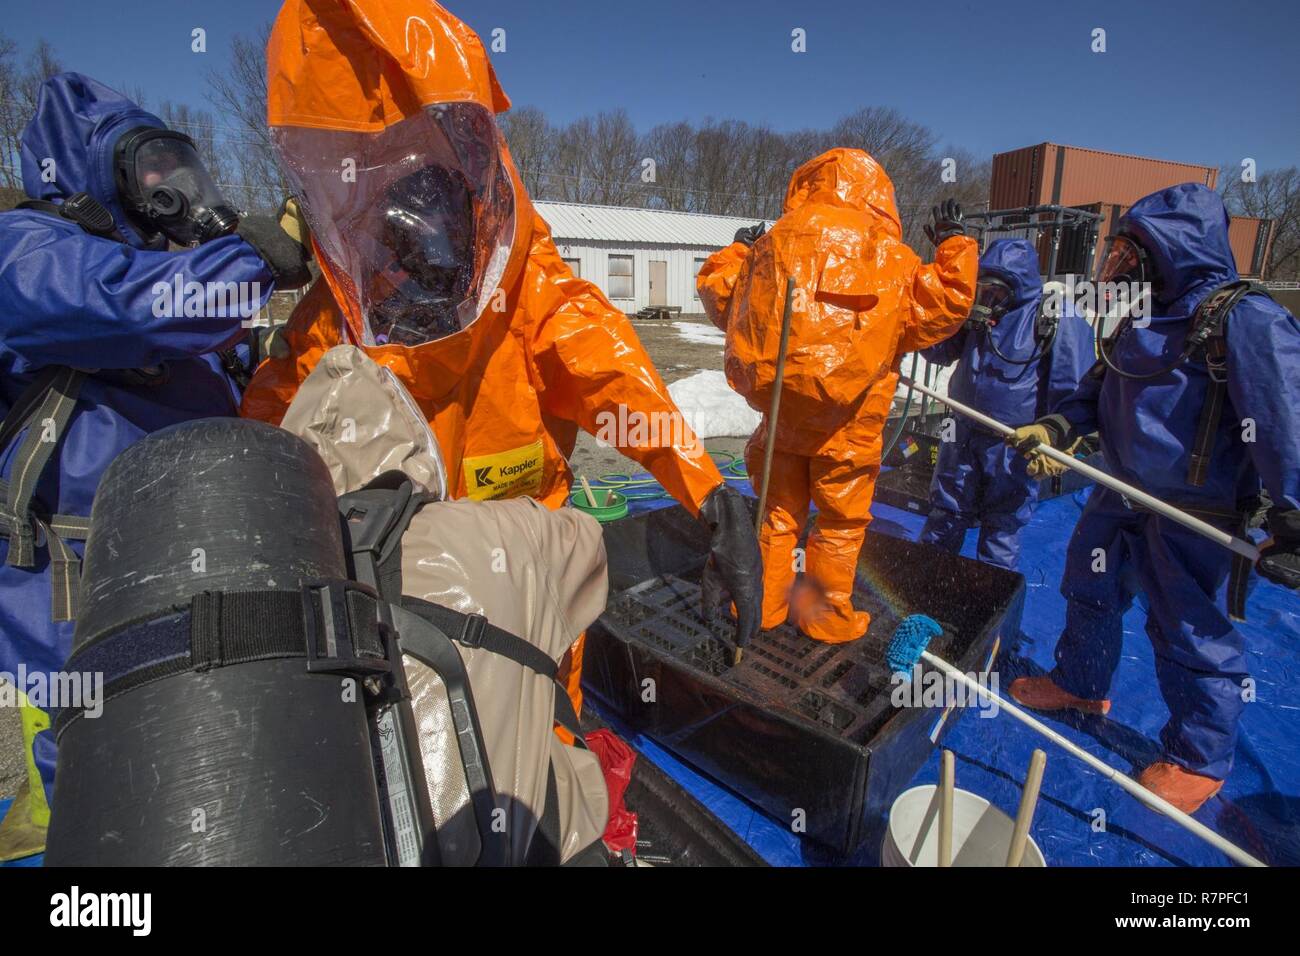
[
  {"x": 434, "y": 262},
  {"x": 863, "y": 299}
]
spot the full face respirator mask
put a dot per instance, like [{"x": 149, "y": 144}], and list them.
[{"x": 166, "y": 189}]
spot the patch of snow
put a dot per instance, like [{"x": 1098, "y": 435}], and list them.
[
  {"x": 711, "y": 408},
  {"x": 700, "y": 333}
]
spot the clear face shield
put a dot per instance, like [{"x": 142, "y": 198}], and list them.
[
  {"x": 1127, "y": 281},
  {"x": 416, "y": 220},
  {"x": 993, "y": 297},
  {"x": 166, "y": 188}
]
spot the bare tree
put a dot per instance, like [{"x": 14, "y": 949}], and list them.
[
  {"x": 237, "y": 92},
  {"x": 531, "y": 141},
  {"x": 1275, "y": 195},
  {"x": 669, "y": 145},
  {"x": 20, "y": 84}
]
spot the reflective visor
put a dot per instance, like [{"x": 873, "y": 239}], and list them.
[
  {"x": 993, "y": 297},
  {"x": 993, "y": 293},
  {"x": 1122, "y": 261},
  {"x": 416, "y": 220}
]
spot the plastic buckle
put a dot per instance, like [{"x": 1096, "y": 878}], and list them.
[
  {"x": 325, "y": 615},
  {"x": 471, "y": 634},
  {"x": 1218, "y": 369}
]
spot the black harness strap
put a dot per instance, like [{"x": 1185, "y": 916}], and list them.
[
  {"x": 1238, "y": 522},
  {"x": 1210, "y": 336},
  {"x": 335, "y": 625},
  {"x": 44, "y": 409},
  {"x": 475, "y": 631},
  {"x": 376, "y": 517}
]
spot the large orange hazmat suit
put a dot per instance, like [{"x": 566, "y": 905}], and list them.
[
  {"x": 368, "y": 100},
  {"x": 863, "y": 299}
]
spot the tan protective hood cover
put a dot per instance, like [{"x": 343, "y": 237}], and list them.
[{"x": 537, "y": 573}]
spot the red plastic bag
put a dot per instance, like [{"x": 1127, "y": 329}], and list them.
[{"x": 616, "y": 760}]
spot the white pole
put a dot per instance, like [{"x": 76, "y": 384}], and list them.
[
  {"x": 1107, "y": 771},
  {"x": 1218, "y": 536}
]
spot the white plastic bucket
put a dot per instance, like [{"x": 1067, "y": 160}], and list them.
[{"x": 981, "y": 833}]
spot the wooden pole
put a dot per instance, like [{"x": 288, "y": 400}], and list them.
[{"x": 775, "y": 410}]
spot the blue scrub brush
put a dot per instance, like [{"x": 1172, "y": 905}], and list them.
[
  {"x": 911, "y": 638},
  {"x": 908, "y": 647}
]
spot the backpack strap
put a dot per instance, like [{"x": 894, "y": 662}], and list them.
[
  {"x": 1208, "y": 335},
  {"x": 83, "y": 209},
  {"x": 475, "y": 631},
  {"x": 376, "y": 517},
  {"x": 44, "y": 409}
]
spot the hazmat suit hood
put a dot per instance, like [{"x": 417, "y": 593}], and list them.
[
  {"x": 383, "y": 117},
  {"x": 849, "y": 179},
  {"x": 1185, "y": 231},
  {"x": 67, "y": 148},
  {"x": 1015, "y": 262}
]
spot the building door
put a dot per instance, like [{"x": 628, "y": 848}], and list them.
[{"x": 658, "y": 282}]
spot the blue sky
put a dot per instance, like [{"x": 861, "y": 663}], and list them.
[{"x": 1203, "y": 82}]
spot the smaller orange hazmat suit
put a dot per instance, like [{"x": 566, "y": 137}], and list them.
[
  {"x": 862, "y": 300},
  {"x": 434, "y": 262}
]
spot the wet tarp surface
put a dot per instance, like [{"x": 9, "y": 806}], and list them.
[{"x": 1082, "y": 819}]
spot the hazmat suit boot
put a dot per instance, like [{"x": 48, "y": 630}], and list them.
[
  {"x": 827, "y": 613},
  {"x": 1039, "y": 693},
  {"x": 778, "y": 537},
  {"x": 1185, "y": 790}
]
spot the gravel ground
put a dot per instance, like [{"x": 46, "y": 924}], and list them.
[
  {"x": 13, "y": 771},
  {"x": 675, "y": 359}
]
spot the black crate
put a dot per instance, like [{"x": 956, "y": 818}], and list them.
[{"x": 804, "y": 730}]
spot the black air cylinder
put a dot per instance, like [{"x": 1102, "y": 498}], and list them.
[{"x": 258, "y": 763}]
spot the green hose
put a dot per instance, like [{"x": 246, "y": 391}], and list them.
[
  {"x": 648, "y": 489},
  {"x": 907, "y": 405}
]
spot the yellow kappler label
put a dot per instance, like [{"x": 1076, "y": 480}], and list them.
[{"x": 505, "y": 474}]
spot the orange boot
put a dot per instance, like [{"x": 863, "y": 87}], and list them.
[
  {"x": 1040, "y": 693},
  {"x": 787, "y": 512},
  {"x": 1185, "y": 790},
  {"x": 826, "y": 613}
]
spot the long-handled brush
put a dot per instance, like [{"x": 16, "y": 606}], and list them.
[
  {"x": 908, "y": 646},
  {"x": 1231, "y": 542},
  {"x": 1028, "y": 803},
  {"x": 774, "y": 411},
  {"x": 947, "y": 787}
]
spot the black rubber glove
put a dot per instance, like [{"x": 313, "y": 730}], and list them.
[
  {"x": 1280, "y": 561},
  {"x": 947, "y": 222},
  {"x": 750, "y": 234},
  {"x": 735, "y": 567},
  {"x": 284, "y": 256}
]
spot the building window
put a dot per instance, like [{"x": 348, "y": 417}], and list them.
[
  {"x": 620, "y": 277},
  {"x": 575, "y": 266},
  {"x": 699, "y": 264}
]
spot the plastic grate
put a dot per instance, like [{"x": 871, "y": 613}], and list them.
[{"x": 843, "y": 687}]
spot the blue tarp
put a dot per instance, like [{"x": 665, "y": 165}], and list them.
[
  {"x": 1258, "y": 808},
  {"x": 1083, "y": 819}
]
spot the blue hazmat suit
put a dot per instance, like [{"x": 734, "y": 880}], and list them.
[
  {"x": 978, "y": 478},
  {"x": 69, "y": 298},
  {"x": 1147, "y": 428}
]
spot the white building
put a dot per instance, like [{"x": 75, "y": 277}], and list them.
[{"x": 639, "y": 257}]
